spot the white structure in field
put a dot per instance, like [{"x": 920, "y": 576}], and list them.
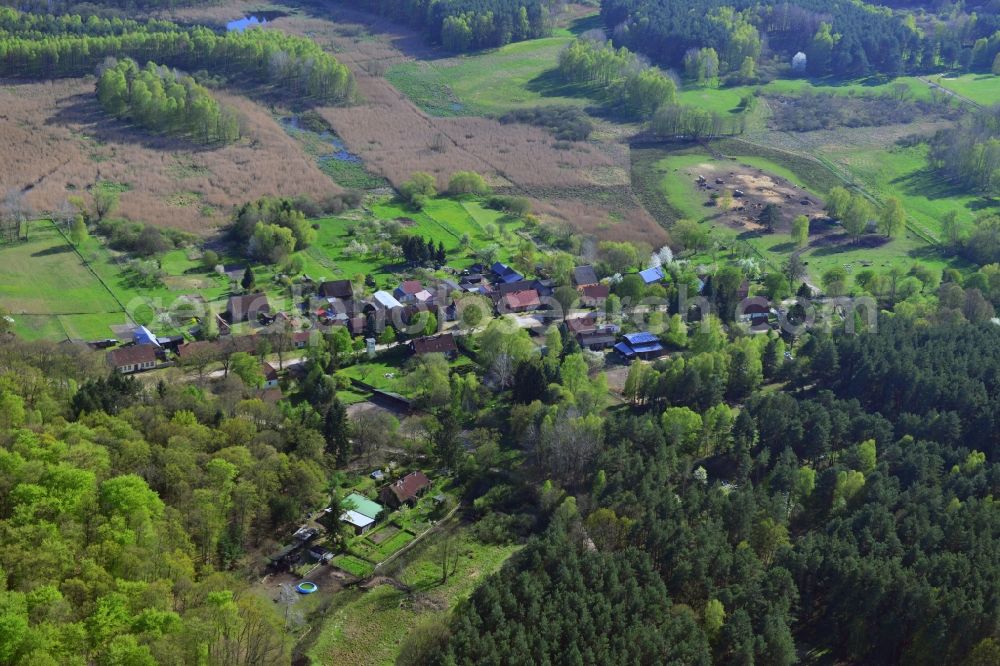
[{"x": 799, "y": 62}]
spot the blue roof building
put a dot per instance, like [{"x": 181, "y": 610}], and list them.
[
  {"x": 506, "y": 273},
  {"x": 143, "y": 336},
  {"x": 639, "y": 345},
  {"x": 652, "y": 275},
  {"x": 513, "y": 276}
]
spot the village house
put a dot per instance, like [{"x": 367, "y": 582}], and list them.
[
  {"x": 594, "y": 295},
  {"x": 406, "y": 490},
  {"x": 584, "y": 276},
  {"x": 300, "y": 339},
  {"x": 218, "y": 348},
  {"x": 510, "y": 287},
  {"x": 407, "y": 291},
  {"x": 581, "y": 321},
  {"x": 383, "y": 300},
  {"x": 132, "y": 358},
  {"x": 438, "y": 344},
  {"x": 652, "y": 275},
  {"x": 143, "y": 336},
  {"x": 470, "y": 281},
  {"x": 247, "y": 307},
  {"x": 544, "y": 287},
  {"x": 643, "y": 345},
  {"x": 360, "y": 512},
  {"x": 757, "y": 316},
  {"x": 505, "y": 273},
  {"x": 600, "y": 337},
  {"x": 270, "y": 375},
  {"x": 340, "y": 289},
  {"x": 520, "y": 301}
]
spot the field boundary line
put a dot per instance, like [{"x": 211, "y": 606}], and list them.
[
  {"x": 92, "y": 271},
  {"x": 948, "y": 91},
  {"x": 444, "y": 227}
]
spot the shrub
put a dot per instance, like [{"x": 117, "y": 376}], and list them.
[
  {"x": 467, "y": 182},
  {"x": 519, "y": 206}
]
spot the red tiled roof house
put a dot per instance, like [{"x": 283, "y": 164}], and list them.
[
  {"x": 405, "y": 490},
  {"x": 132, "y": 358}
]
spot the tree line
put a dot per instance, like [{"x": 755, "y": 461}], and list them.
[
  {"x": 840, "y": 37},
  {"x": 159, "y": 99},
  {"x": 465, "y": 25},
  {"x": 296, "y": 65},
  {"x": 35, "y": 24},
  {"x": 635, "y": 90},
  {"x": 969, "y": 153},
  {"x": 110, "y": 6}
]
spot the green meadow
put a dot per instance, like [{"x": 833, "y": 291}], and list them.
[
  {"x": 980, "y": 88},
  {"x": 367, "y": 627},
  {"x": 666, "y": 178},
  {"x": 51, "y": 291},
  {"x": 517, "y": 75},
  {"x": 728, "y": 99},
  {"x": 904, "y": 172}
]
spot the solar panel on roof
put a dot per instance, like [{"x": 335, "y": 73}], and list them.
[{"x": 641, "y": 338}]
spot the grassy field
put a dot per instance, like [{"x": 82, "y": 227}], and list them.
[
  {"x": 980, "y": 88},
  {"x": 443, "y": 219},
  {"x": 513, "y": 76},
  {"x": 727, "y": 100},
  {"x": 51, "y": 292},
  {"x": 905, "y": 173},
  {"x": 489, "y": 82},
  {"x": 679, "y": 197},
  {"x": 366, "y": 628}
]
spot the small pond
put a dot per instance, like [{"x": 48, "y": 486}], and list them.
[
  {"x": 254, "y": 19},
  {"x": 331, "y": 147}
]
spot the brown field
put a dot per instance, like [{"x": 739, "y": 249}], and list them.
[
  {"x": 583, "y": 184},
  {"x": 55, "y": 142}
]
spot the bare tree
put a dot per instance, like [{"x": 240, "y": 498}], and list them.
[
  {"x": 65, "y": 215},
  {"x": 373, "y": 429},
  {"x": 14, "y": 214},
  {"x": 448, "y": 554},
  {"x": 281, "y": 342}
]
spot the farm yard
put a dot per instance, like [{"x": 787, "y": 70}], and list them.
[{"x": 693, "y": 182}]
